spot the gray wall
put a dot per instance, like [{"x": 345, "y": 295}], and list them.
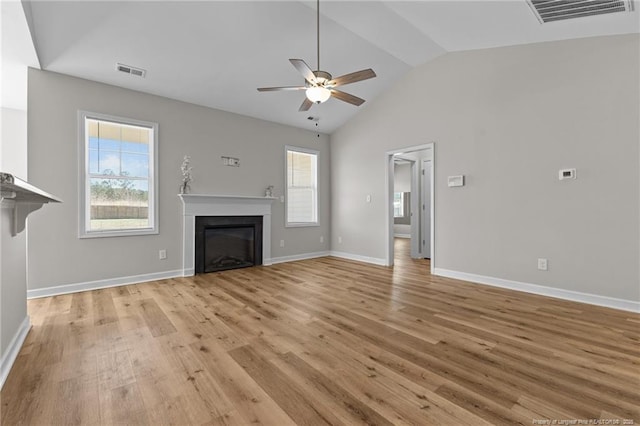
[
  {"x": 13, "y": 153},
  {"x": 13, "y": 279},
  {"x": 402, "y": 177},
  {"x": 13, "y": 251},
  {"x": 58, "y": 257},
  {"x": 509, "y": 119}
]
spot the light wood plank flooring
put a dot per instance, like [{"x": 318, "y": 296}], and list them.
[{"x": 324, "y": 341}]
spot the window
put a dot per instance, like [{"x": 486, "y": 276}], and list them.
[
  {"x": 302, "y": 187},
  {"x": 117, "y": 176},
  {"x": 398, "y": 204}
]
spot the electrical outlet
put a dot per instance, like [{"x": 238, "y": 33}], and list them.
[
  {"x": 368, "y": 198},
  {"x": 321, "y": 239},
  {"x": 282, "y": 198},
  {"x": 339, "y": 240},
  {"x": 281, "y": 243},
  {"x": 542, "y": 264},
  {"x": 162, "y": 254}
]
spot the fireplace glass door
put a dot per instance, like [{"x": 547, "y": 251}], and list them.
[{"x": 229, "y": 248}]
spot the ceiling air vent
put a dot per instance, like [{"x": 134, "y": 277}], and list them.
[
  {"x": 559, "y": 10},
  {"x": 127, "y": 69}
]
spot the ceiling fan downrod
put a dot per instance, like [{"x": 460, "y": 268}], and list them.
[{"x": 318, "y": 32}]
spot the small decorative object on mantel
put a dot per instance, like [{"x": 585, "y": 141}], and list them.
[
  {"x": 268, "y": 193},
  {"x": 186, "y": 175}
]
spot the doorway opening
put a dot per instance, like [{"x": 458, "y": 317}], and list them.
[{"x": 410, "y": 195}]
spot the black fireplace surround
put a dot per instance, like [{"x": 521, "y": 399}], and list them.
[{"x": 227, "y": 242}]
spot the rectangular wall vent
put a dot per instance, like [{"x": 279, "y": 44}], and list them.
[
  {"x": 559, "y": 10},
  {"x": 127, "y": 69}
]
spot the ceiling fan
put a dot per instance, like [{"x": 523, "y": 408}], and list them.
[{"x": 319, "y": 85}]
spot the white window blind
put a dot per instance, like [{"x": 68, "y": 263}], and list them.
[{"x": 302, "y": 187}]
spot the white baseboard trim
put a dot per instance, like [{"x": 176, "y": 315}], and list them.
[
  {"x": 10, "y": 355},
  {"x": 359, "y": 258},
  {"x": 303, "y": 256},
  {"x": 402, "y": 235},
  {"x": 574, "y": 296},
  {"x": 94, "y": 285}
]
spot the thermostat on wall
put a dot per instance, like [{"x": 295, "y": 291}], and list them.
[
  {"x": 567, "y": 174},
  {"x": 455, "y": 181}
]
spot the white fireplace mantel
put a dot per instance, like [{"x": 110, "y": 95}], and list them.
[{"x": 221, "y": 205}]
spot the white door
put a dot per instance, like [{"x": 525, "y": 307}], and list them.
[
  {"x": 415, "y": 210},
  {"x": 425, "y": 209}
]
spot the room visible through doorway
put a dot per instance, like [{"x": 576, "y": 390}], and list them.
[{"x": 410, "y": 201}]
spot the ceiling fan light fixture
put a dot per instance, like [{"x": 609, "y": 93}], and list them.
[{"x": 318, "y": 94}]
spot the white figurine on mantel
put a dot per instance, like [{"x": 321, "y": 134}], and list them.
[
  {"x": 186, "y": 175},
  {"x": 268, "y": 193}
]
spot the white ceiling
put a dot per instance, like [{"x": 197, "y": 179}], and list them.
[
  {"x": 17, "y": 53},
  {"x": 216, "y": 53}
]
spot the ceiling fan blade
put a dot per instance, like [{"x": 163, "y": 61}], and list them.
[
  {"x": 352, "y": 77},
  {"x": 346, "y": 97},
  {"x": 274, "y": 89},
  {"x": 306, "y": 104},
  {"x": 304, "y": 69}
]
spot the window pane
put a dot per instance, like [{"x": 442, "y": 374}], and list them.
[
  {"x": 108, "y": 144},
  {"x": 398, "y": 204},
  {"x": 93, "y": 161},
  {"x": 119, "y": 158},
  {"x": 93, "y": 142},
  {"x": 119, "y": 204},
  {"x": 301, "y": 205},
  {"x": 140, "y": 148},
  {"x": 302, "y": 187},
  {"x": 108, "y": 163},
  {"x": 135, "y": 165}
]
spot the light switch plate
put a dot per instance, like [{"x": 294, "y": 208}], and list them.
[{"x": 453, "y": 181}]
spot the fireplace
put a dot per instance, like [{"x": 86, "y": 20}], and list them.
[
  {"x": 209, "y": 205},
  {"x": 227, "y": 242}
]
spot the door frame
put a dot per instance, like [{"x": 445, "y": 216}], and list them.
[{"x": 389, "y": 180}]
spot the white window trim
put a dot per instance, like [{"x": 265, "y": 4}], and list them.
[
  {"x": 84, "y": 188},
  {"x": 288, "y": 224}
]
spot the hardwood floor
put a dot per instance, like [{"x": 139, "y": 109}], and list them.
[{"x": 323, "y": 341}]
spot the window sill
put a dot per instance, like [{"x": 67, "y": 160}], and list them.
[
  {"x": 302, "y": 225},
  {"x": 127, "y": 233}
]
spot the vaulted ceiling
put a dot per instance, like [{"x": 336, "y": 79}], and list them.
[{"x": 216, "y": 53}]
